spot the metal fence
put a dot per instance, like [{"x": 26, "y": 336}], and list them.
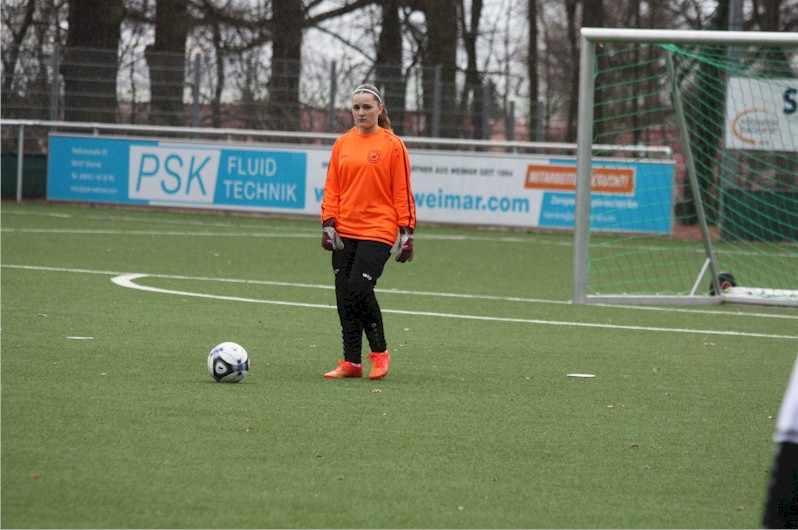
[
  {"x": 25, "y": 152},
  {"x": 196, "y": 90}
]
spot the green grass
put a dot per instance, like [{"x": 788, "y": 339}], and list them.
[{"x": 477, "y": 424}]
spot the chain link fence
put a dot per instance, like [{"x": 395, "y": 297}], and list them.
[{"x": 246, "y": 92}]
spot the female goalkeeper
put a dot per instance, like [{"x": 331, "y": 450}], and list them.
[{"x": 367, "y": 207}]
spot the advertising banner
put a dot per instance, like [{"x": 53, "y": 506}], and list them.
[
  {"x": 519, "y": 190},
  {"x": 762, "y": 114},
  {"x": 175, "y": 174},
  {"x": 463, "y": 187}
]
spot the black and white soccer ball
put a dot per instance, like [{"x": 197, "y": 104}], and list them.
[{"x": 228, "y": 362}]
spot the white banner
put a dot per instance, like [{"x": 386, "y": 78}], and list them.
[{"x": 762, "y": 114}]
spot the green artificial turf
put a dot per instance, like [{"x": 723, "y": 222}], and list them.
[{"x": 477, "y": 424}]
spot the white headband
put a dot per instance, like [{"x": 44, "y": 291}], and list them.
[{"x": 370, "y": 91}]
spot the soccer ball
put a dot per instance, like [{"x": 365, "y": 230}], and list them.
[{"x": 228, "y": 362}]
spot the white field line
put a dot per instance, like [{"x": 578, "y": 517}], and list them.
[
  {"x": 129, "y": 280},
  {"x": 240, "y": 224},
  {"x": 283, "y": 232},
  {"x": 439, "y": 294},
  {"x": 111, "y": 232}
]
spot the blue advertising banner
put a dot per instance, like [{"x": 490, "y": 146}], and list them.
[
  {"x": 175, "y": 174},
  {"x": 501, "y": 189},
  {"x": 625, "y": 196}
]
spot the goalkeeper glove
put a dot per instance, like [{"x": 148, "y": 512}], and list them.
[
  {"x": 329, "y": 236},
  {"x": 404, "y": 250}
]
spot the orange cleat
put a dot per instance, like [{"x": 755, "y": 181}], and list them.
[
  {"x": 379, "y": 364},
  {"x": 345, "y": 369}
]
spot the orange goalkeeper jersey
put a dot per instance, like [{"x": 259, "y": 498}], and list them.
[{"x": 368, "y": 186}]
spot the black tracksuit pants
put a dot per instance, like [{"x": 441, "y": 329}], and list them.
[{"x": 357, "y": 268}]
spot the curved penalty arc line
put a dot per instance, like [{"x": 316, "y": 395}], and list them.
[{"x": 129, "y": 281}]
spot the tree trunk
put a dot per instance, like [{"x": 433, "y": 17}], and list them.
[
  {"x": 17, "y": 36},
  {"x": 166, "y": 58},
  {"x": 535, "y": 120},
  {"x": 442, "y": 52},
  {"x": 389, "y": 64},
  {"x": 284, "y": 106},
  {"x": 710, "y": 90},
  {"x": 769, "y": 15},
  {"x": 573, "y": 53},
  {"x": 473, "y": 91},
  {"x": 90, "y": 64},
  {"x": 216, "y": 102},
  {"x": 593, "y": 16}
]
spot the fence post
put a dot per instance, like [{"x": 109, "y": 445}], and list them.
[
  {"x": 20, "y": 160},
  {"x": 487, "y": 93},
  {"x": 436, "y": 103},
  {"x": 195, "y": 108},
  {"x": 54, "y": 86},
  {"x": 333, "y": 95},
  {"x": 510, "y": 122},
  {"x": 538, "y": 121}
]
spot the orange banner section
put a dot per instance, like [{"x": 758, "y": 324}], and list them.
[{"x": 603, "y": 180}]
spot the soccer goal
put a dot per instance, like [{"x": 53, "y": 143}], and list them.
[{"x": 716, "y": 220}]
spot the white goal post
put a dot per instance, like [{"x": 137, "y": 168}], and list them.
[{"x": 726, "y": 103}]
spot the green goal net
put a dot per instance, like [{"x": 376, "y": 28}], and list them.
[{"x": 713, "y": 220}]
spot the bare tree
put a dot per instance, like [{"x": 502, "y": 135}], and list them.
[
  {"x": 592, "y": 15},
  {"x": 253, "y": 52},
  {"x": 572, "y": 33},
  {"x": 90, "y": 62},
  {"x": 535, "y": 119},
  {"x": 473, "y": 90},
  {"x": 18, "y": 20},
  {"x": 289, "y": 20},
  {"x": 709, "y": 88},
  {"x": 389, "y": 63},
  {"x": 288, "y": 23},
  {"x": 32, "y": 32},
  {"x": 440, "y": 62},
  {"x": 167, "y": 61},
  {"x": 767, "y": 14}
]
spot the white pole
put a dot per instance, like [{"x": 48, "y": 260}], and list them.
[
  {"x": 584, "y": 170},
  {"x": 20, "y": 160},
  {"x": 678, "y": 36}
]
